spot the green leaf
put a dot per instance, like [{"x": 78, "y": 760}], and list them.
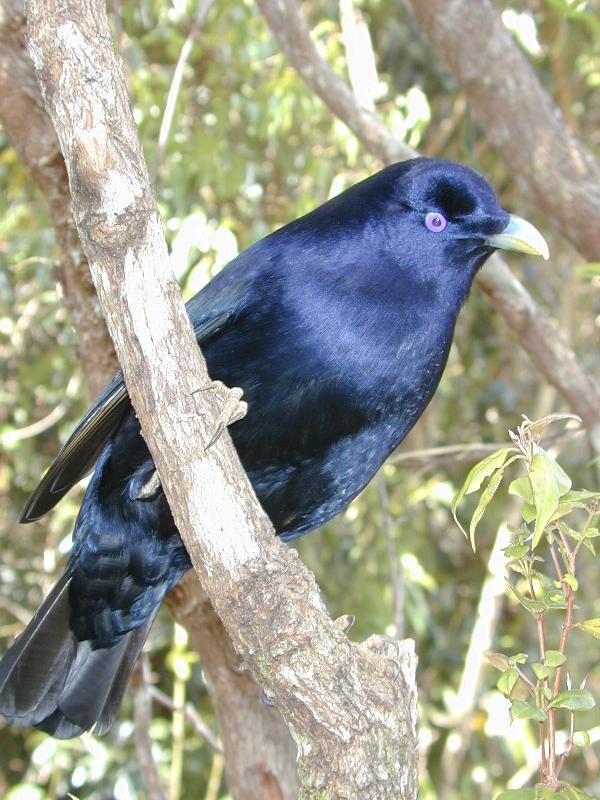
[
  {"x": 507, "y": 680},
  {"x": 521, "y": 487},
  {"x": 581, "y": 738},
  {"x": 518, "y": 658},
  {"x": 477, "y": 475},
  {"x": 574, "y": 700},
  {"x": 485, "y": 499},
  {"x": 497, "y": 660},
  {"x": 564, "y": 509},
  {"x": 571, "y": 581},
  {"x": 540, "y": 793},
  {"x": 582, "y": 496},
  {"x": 528, "y": 513},
  {"x": 546, "y": 493},
  {"x": 562, "y": 479},
  {"x": 568, "y": 792},
  {"x": 554, "y": 658},
  {"x": 516, "y": 550},
  {"x": 541, "y": 671},
  {"x": 523, "y": 710},
  {"x": 535, "y": 606},
  {"x": 591, "y": 626}
]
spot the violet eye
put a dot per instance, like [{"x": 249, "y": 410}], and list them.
[{"x": 435, "y": 222}]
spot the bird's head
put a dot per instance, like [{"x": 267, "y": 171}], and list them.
[{"x": 451, "y": 214}]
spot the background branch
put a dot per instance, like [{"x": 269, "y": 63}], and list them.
[
  {"x": 26, "y": 123},
  {"x": 520, "y": 119},
  {"x": 142, "y": 719}
]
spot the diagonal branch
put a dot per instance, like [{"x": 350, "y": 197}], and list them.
[
  {"x": 537, "y": 335},
  {"x": 240, "y": 708},
  {"x": 520, "y": 119}
]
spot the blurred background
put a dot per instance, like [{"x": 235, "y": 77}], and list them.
[{"x": 248, "y": 148}]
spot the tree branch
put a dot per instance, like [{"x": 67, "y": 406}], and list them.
[
  {"x": 25, "y": 120},
  {"x": 351, "y": 711},
  {"x": 549, "y": 353},
  {"x": 267, "y": 772},
  {"x": 520, "y": 119}
]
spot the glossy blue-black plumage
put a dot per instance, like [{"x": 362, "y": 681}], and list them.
[{"x": 337, "y": 327}]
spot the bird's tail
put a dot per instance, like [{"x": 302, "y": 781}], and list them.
[{"x": 52, "y": 681}]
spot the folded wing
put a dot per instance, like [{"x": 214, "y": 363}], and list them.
[{"x": 210, "y": 312}]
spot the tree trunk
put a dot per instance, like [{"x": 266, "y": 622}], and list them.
[{"x": 27, "y": 124}]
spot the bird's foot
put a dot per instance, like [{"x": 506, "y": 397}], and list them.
[
  {"x": 233, "y": 407},
  {"x": 266, "y": 699}
]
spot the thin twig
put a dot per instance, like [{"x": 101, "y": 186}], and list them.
[
  {"x": 491, "y": 599},
  {"x": 467, "y": 451},
  {"x": 215, "y": 777},
  {"x": 142, "y": 717},
  {"x": 396, "y": 575},
  {"x": 47, "y": 422},
  {"x": 360, "y": 56},
  {"x": 191, "y": 714},
  {"x": 204, "y": 7},
  {"x": 17, "y": 611}
]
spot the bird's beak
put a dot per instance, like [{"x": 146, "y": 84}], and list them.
[{"x": 521, "y": 236}]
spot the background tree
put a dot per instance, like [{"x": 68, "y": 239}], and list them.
[{"x": 239, "y": 143}]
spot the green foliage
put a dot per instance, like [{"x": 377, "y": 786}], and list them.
[{"x": 548, "y": 503}]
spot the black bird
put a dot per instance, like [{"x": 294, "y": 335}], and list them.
[{"x": 337, "y": 328}]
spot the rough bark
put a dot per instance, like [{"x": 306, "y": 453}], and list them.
[
  {"x": 27, "y": 124},
  {"x": 520, "y": 119},
  {"x": 350, "y": 709},
  {"x": 536, "y": 333},
  {"x": 253, "y": 733}
]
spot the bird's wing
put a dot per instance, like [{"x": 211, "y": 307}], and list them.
[
  {"x": 210, "y": 312},
  {"x": 80, "y": 451}
]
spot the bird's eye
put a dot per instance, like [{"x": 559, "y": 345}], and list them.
[{"x": 435, "y": 222}]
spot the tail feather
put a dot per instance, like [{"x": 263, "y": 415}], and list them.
[
  {"x": 52, "y": 681},
  {"x": 34, "y": 668},
  {"x": 107, "y": 670},
  {"x": 112, "y": 705}
]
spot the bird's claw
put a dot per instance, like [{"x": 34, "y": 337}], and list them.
[
  {"x": 233, "y": 409},
  {"x": 266, "y": 699}
]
